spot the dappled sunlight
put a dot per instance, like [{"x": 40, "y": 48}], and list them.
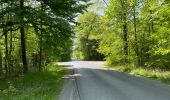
[
  {"x": 89, "y": 64},
  {"x": 72, "y": 76},
  {"x": 65, "y": 64},
  {"x": 93, "y": 81}
]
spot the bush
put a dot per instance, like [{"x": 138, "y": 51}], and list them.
[
  {"x": 43, "y": 85},
  {"x": 139, "y": 71},
  {"x": 123, "y": 68}
]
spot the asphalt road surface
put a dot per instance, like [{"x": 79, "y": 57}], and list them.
[{"x": 89, "y": 81}]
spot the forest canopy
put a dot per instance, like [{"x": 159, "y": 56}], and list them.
[
  {"x": 130, "y": 33},
  {"x": 36, "y": 32}
]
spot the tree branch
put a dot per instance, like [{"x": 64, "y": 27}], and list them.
[{"x": 105, "y": 2}]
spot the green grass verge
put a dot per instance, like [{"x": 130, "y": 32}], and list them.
[
  {"x": 163, "y": 76},
  {"x": 44, "y": 85}
]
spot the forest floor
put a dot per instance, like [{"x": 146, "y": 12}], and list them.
[{"x": 43, "y": 85}]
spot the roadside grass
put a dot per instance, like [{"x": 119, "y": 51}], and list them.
[
  {"x": 163, "y": 76},
  {"x": 44, "y": 85}
]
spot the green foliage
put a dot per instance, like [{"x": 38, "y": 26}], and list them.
[
  {"x": 87, "y": 42},
  {"x": 124, "y": 68},
  {"x": 139, "y": 71},
  {"x": 163, "y": 76},
  {"x": 48, "y": 29},
  {"x": 147, "y": 30},
  {"x": 97, "y": 6},
  {"x": 44, "y": 85},
  {"x": 11, "y": 90},
  {"x": 33, "y": 34}
]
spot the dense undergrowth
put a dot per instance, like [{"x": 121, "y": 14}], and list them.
[
  {"x": 157, "y": 74},
  {"x": 43, "y": 85}
]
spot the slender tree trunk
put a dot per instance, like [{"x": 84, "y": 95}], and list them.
[
  {"x": 148, "y": 45},
  {"x": 136, "y": 38},
  {"x": 1, "y": 65},
  {"x": 152, "y": 24},
  {"x": 125, "y": 39},
  {"x": 6, "y": 50},
  {"x": 125, "y": 31},
  {"x": 5, "y": 32},
  {"x": 23, "y": 40},
  {"x": 23, "y": 47},
  {"x": 1, "y": 70},
  {"x": 40, "y": 43},
  {"x": 40, "y": 51},
  {"x": 11, "y": 44},
  {"x": 151, "y": 42},
  {"x": 10, "y": 52}
]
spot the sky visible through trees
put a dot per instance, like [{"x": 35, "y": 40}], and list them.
[
  {"x": 129, "y": 32},
  {"x": 36, "y": 33}
]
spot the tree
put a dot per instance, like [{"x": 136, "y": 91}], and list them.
[
  {"x": 1, "y": 70},
  {"x": 45, "y": 27},
  {"x": 23, "y": 41},
  {"x": 87, "y": 42},
  {"x": 135, "y": 32},
  {"x": 117, "y": 16},
  {"x": 134, "y": 5}
]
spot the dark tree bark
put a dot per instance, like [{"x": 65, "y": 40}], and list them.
[
  {"x": 6, "y": 50},
  {"x": 125, "y": 30},
  {"x": 136, "y": 37},
  {"x": 125, "y": 39},
  {"x": 150, "y": 42},
  {"x": 10, "y": 52},
  {"x": 1, "y": 70},
  {"x": 40, "y": 43},
  {"x": 11, "y": 63},
  {"x": 23, "y": 40},
  {"x": 40, "y": 52},
  {"x": 152, "y": 23}
]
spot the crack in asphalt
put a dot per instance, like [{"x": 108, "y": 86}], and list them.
[
  {"x": 89, "y": 81},
  {"x": 76, "y": 84}
]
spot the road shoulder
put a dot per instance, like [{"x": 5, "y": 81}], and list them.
[{"x": 69, "y": 90}]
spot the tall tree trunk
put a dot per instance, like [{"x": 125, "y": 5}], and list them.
[
  {"x": 23, "y": 40},
  {"x": 40, "y": 51},
  {"x": 40, "y": 42},
  {"x": 152, "y": 27},
  {"x": 125, "y": 31},
  {"x": 152, "y": 24},
  {"x": 136, "y": 38},
  {"x": 1, "y": 70},
  {"x": 11, "y": 44},
  {"x": 6, "y": 49},
  {"x": 125, "y": 39},
  {"x": 151, "y": 42},
  {"x": 11, "y": 52},
  {"x": 5, "y": 32}
]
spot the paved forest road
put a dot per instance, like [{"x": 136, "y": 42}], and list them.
[{"x": 89, "y": 81}]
